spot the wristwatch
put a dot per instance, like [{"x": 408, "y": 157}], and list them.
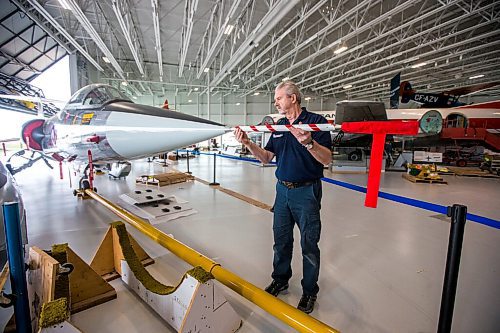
[{"x": 309, "y": 145}]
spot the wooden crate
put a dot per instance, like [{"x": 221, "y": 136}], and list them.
[
  {"x": 424, "y": 180},
  {"x": 163, "y": 179}
]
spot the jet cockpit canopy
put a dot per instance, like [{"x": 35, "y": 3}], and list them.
[{"x": 96, "y": 95}]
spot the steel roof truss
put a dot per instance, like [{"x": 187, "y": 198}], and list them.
[
  {"x": 395, "y": 54},
  {"x": 124, "y": 17}
]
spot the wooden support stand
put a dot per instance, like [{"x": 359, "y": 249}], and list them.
[
  {"x": 42, "y": 275},
  {"x": 196, "y": 304},
  {"x": 193, "y": 306},
  {"x": 107, "y": 260},
  {"x": 86, "y": 287}
]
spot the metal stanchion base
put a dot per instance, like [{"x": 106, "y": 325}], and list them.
[{"x": 214, "y": 184}]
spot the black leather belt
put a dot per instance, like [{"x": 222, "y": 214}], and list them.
[{"x": 295, "y": 185}]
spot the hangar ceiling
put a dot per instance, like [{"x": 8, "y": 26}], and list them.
[
  {"x": 26, "y": 49},
  {"x": 331, "y": 48}
]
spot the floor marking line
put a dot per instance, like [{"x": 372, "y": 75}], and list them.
[{"x": 237, "y": 195}]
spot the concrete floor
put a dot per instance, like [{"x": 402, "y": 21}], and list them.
[{"x": 382, "y": 269}]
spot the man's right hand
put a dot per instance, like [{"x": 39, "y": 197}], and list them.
[{"x": 241, "y": 136}]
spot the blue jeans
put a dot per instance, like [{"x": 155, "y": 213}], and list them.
[{"x": 299, "y": 206}]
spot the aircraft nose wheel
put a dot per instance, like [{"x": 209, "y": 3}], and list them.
[{"x": 84, "y": 184}]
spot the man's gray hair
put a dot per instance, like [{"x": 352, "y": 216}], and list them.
[{"x": 290, "y": 89}]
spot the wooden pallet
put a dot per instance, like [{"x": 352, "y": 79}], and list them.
[
  {"x": 424, "y": 180},
  {"x": 472, "y": 172},
  {"x": 164, "y": 178},
  {"x": 442, "y": 172}
]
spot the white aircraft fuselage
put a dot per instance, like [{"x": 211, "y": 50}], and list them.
[
  {"x": 101, "y": 119},
  {"x": 484, "y": 115}
]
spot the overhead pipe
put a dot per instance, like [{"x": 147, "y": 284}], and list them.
[{"x": 273, "y": 305}]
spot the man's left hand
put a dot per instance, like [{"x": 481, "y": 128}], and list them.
[{"x": 304, "y": 137}]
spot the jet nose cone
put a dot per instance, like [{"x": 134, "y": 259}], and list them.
[{"x": 134, "y": 135}]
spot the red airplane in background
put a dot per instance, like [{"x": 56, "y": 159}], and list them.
[{"x": 463, "y": 125}]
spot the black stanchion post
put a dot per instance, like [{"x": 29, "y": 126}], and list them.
[
  {"x": 188, "y": 172},
  {"x": 458, "y": 214},
  {"x": 214, "y": 182},
  {"x": 165, "y": 160}
]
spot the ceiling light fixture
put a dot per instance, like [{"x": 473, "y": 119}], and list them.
[
  {"x": 206, "y": 70},
  {"x": 124, "y": 83},
  {"x": 106, "y": 60},
  {"x": 420, "y": 64},
  {"x": 190, "y": 100},
  {"x": 64, "y": 4},
  {"x": 238, "y": 103},
  {"x": 285, "y": 79},
  {"x": 476, "y": 76},
  {"x": 256, "y": 93},
  {"x": 347, "y": 86},
  {"x": 307, "y": 98},
  {"x": 340, "y": 49},
  {"x": 229, "y": 29}
]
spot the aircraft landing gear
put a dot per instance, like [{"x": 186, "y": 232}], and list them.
[{"x": 85, "y": 183}]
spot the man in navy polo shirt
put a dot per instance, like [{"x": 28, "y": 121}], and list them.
[{"x": 300, "y": 157}]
